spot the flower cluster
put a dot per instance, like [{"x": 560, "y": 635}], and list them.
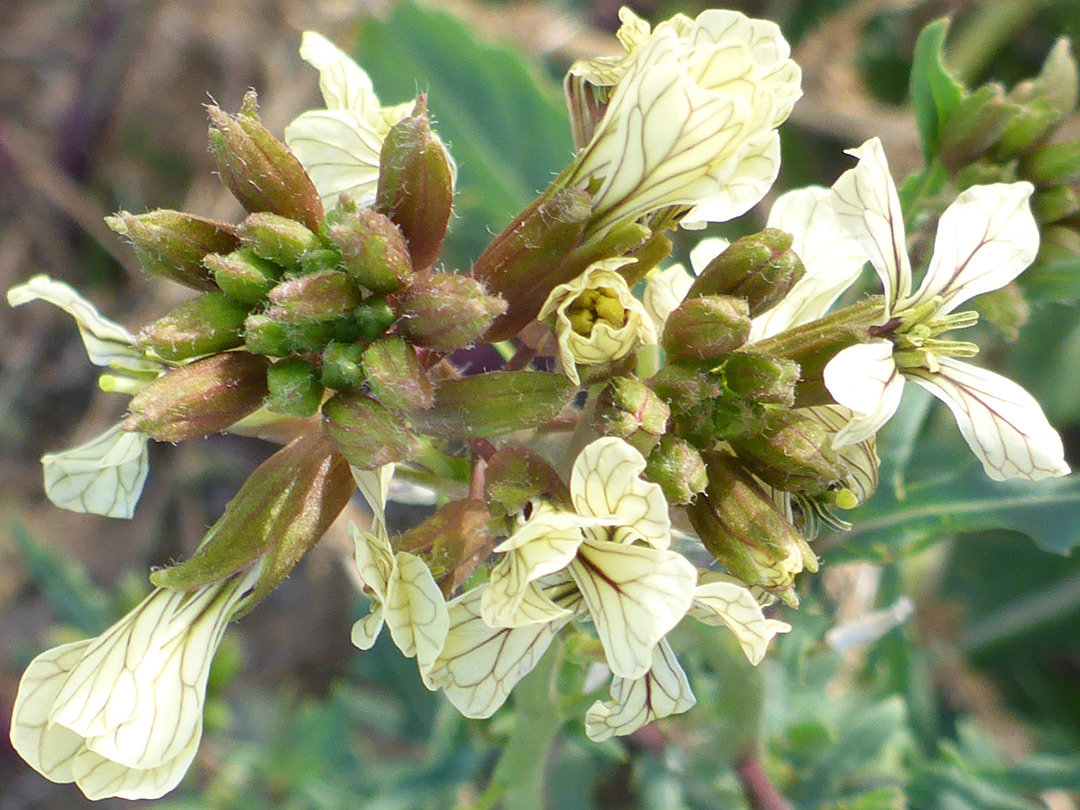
[{"x": 734, "y": 400}]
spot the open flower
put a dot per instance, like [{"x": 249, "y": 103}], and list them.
[
  {"x": 692, "y": 119},
  {"x": 597, "y": 318},
  {"x": 985, "y": 239},
  {"x": 121, "y": 715}
]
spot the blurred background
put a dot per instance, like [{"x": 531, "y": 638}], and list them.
[{"x": 974, "y": 702}]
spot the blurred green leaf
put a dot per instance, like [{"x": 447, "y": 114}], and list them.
[
  {"x": 934, "y": 91},
  {"x": 1052, "y": 281}
]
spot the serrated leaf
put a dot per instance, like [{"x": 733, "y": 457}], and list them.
[
  {"x": 503, "y": 120},
  {"x": 934, "y": 92}
]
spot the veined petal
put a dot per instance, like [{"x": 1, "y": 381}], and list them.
[
  {"x": 340, "y": 152},
  {"x": 735, "y": 606},
  {"x": 985, "y": 239},
  {"x": 100, "y": 778},
  {"x": 343, "y": 83},
  {"x": 868, "y": 206},
  {"x": 753, "y": 170},
  {"x": 865, "y": 379},
  {"x": 374, "y": 560},
  {"x": 636, "y": 595},
  {"x": 664, "y": 291},
  {"x": 1001, "y": 422},
  {"x": 660, "y": 692},
  {"x": 860, "y": 458},
  {"x": 606, "y": 480},
  {"x": 374, "y": 485},
  {"x": 104, "y": 476},
  {"x": 510, "y": 580},
  {"x": 415, "y": 610},
  {"x": 479, "y": 665}
]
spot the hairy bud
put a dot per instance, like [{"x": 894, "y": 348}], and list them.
[
  {"x": 678, "y": 468},
  {"x": 373, "y": 249},
  {"x": 205, "y": 325},
  {"x": 706, "y": 328},
  {"x": 277, "y": 238},
  {"x": 243, "y": 275},
  {"x": 366, "y": 432},
  {"x": 395, "y": 375},
  {"x": 760, "y": 268},
  {"x": 294, "y": 388},
  {"x": 792, "y": 453},
  {"x": 447, "y": 311},
  {"x": 629, "y": 409},
  {"x": 516, "y": 475},
  {"x": 342, "y": 366},
  {"x": 171, "y": 244},
  {"x": 761, "y": 377},
  {"x": 318, "y": 296}
]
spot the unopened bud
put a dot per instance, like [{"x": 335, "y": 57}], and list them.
[
  {"x": 365, "y": 432},
  {"x": 211, "y": 323},
  {"x": 1058, "y": 82},
  {"x": 974, "y": 126},
  {"x": 742, "y": 527},
  {"x": 171, "y": 244},
  {"x": 1056, "y": 164},
  {"x": 319, "y": 296},
  {"x": 277, "y": 238},
  {"x": 243, "y": 275},
  {"x": 278, "y": 515},
  {"x": 516, "y": 475},
  {"x": 258, "y": 169},
  {"x": 450, "y": 541},
  {"x": 706, "y": 328},
  {"x": 342, "y": 366},
  {"x": 294, "y": 388},
  {"x": 374, "y": 317},
  {"x": 1055, "y": 204},
  {"x": 373, "y": 249},
  {"x": 684, "y": 385},
  {"x": 416, "y": 185},
  {"x": 761, "y": 377},
  {"x": 265, "y": 335},
  {"x": 494, "y": 403},
  {"x": 630, "y": 410},
  {"x": 1029, "y": 124},
  {"x": 792, "y": 453},
  {"x": 760, "y": 268},
  {"x": 678, "y": 468},
  {"x": 447, "y": 311},
  {"x": 395, "y": 375},
  {"x": 199, "y": 398}
]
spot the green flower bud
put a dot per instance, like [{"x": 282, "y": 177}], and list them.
[
  {"x": 264, "y": 334},
  {"x": 1055, "y": 204},
  {"x": 629, "y": 409},
  {"x": 315, "y": 261},
  {"x": 1057, "y": 164},
  {"x": 395, "y": 375},
  {"x": 761, "y": 377},
  {"x": 1058, "y": 82},
  {"x": 416, "y": 185},
  {"x": 760, "y": 268},
  {"x": 678, "y": 468},
  {"x": 516, "y": 474},
  {"x": 374, "y": 317},
  {"x": 373, "y": 249},
  {"x": 342, "y": 366},
  {"x": 447, "y": 311},
  {"x": 243, "y": 275},
  {"x": 742, "y": 527},
  {"x": 320, "y": 296},
  {"x": 171, "y": 244},
  {"x": 494, "y": 403},
  {"x": 365, "y": 432},
  {"x": 684, "y": 385},
  {"x": 278, "y": 239},
  {"x": 706, "y": 328},
  {"x": 792, "y": 453},
  {"x": 205, "y": 325},
  {"x": 1029, "y": 124},
  {"x": 278, "y": 515},
  {"x": 974, "y": 126},
  {"x": 260, "y": 172},
  {"x": 199, "y": 398},
  {"x": 295, "y": 388}
]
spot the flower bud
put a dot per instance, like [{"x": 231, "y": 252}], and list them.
[
  {"x": 416, "y": 185},
  {"x": 318, "y": 296},
  {"x": 171, "y": 244},
  {"x": 1055, "y": 204},
  {"x": 199, "y": 398},
  {"x": 684, "y": 385},
  {"x": 793, "y": 454},
  {"x": 278, "y": 515},
  {"x": 374, "y": 317},
  {"x": 294, "y": 388},
  {"x": 742, "y": 527},
  {"x": 974, "y": 126},
  {"x": 630, "y": 410},
  {"x": 450, "y": 541},
  {"x": 761, "y": 268},
  {"x": 395, "y": 375},
  {"x": 264, "y": 334},
  {"x": 494, "y": 403},
  {"x": 447, "y": 311},
  {"x": 706, "y": 328},
  {"x": 761, "y": 377},
  {"x": 678, "y": 468},
  {"x": 365, "y": 432},
  {"x": 243, "y": 275},
  {"x": 526, "y": 261},
  {"x": 516, "y": 475},
  {"x": 1055, "y": 164},
  {"x": 342, "y": 366},
  {"x": 258, "y": 169},
  {"x": 373, "y": 249},
  {"x": 1058, "y": 82},
  {"x": 277, "y": 238},
  {"x": 205, "y": 325}
]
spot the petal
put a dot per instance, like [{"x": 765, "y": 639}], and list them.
[
  {"x": 374, "y": 560},
  {"x": 660, "y": 692},
  {"x": 860, "y": 458},
  {"x": 865, "y": 379},
  {"x": 479, "y": 665},
  {"x": 753, "y": 171},
  {"x": 415, "y": 610},
  {"x": 100, "y": 778},
  {"x": 104, "y": 476},
  {"x": 1001, "y": 422},
  {"x": 664, "y": 291},
  {"x": 868, "y": 206},
  {"x": 606, "y": 481},
  {"x": 365, "y": 631},
  {"x": 635, "y": 595},
  {"x": 374, "y": 485},
  {"x": 510, "y": 580},
  {"x": 735, "y": 606},
  {"x": 340, "y": 152},
  {"x": 47, "y": 748},
  {"x": 343, "y": 83},
  {"x": 985, "y": 239}
]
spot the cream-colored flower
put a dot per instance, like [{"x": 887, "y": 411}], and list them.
[
  {"x": 104, "y": 476},
  {"x": 691, "y": 120},
  {"x": 596, "y": 318},
  {"x": 339, "y": 146},
  {"x": 985, "y": 239},
  {"x": 121, "y": 715}
]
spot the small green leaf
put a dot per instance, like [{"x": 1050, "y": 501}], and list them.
[{"x": 935, "y": 93}]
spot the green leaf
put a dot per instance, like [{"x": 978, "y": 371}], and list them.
[
  {"x": 1052, "y": 281},
  {"x": 502, "y": 118},
  {"x": 935, "y": 93}
]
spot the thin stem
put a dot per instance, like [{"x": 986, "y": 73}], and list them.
[
  {"x": 521, "y": 359},
  {"x": 760, "y": 791}
]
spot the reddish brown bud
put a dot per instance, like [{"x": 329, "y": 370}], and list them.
[
  {"x": 320, "y": 296},
  {"x": 171, "y": 244},
  {"x": 373, "y": 249},
  {"x": 365, "y": 432},
  {"x": 447, "y": 311},
  {"x": 395, "y": 375}
]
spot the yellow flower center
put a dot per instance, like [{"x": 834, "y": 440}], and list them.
[{"x": 597, "y": 304}]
